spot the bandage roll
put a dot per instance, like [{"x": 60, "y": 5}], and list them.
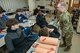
[{"x": 48, "y": 40}]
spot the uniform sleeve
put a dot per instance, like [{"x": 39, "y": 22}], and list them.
[{"x": 9, "y": 44}]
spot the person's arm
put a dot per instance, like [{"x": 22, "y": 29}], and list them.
[
  {"x": 37, "y": 20},
  {"x": 5, "y": 17},
  {"x": 45, "y": 20},
  {"x": 22, "y": 27},
  {"x": 9, "y": 44},
  {"x": 16, "y": 17},
  {"x": 23, "y": 17},
  {"x": 57, "y": 34}
]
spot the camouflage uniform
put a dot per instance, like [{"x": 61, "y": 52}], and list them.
[{"x": 66, "y": 27}]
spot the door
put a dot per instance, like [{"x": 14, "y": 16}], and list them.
[{"x": 73, "y": 4}]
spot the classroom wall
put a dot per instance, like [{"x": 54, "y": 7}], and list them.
[
  {"x": 13, "y": 4},
  {"x": 43, "y": 2},
  {"x": 31, "y": 4},
  {"x": 40, "y": 2}
]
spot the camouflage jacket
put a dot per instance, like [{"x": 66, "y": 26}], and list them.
[{"x": 65, "y": 22}]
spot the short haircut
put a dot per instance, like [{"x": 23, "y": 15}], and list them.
[
  {"x": 11, "y": 22},
  {"x": 44, "y": 32},
  {"x": 35, "y": 28}
]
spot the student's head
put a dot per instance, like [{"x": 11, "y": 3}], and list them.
[
  {"x": 13, "y": 24},
  {"x": 61, "y": 6},
  {"x": 44, "y": 32},
  {"x": 19, "y": 11},
  {"x": 35, "y": 28},
  {"x": 1, "y": 13}
]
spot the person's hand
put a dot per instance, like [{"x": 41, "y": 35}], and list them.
[{"x": 50, "y": 30}]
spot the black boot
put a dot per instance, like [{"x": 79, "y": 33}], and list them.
[
  {"x": 63, "y": 45},
  {"x": 67, "y": 48}
]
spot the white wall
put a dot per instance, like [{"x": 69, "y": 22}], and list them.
[
  {"x": 37, "y": 3},
  {"x": 42, "y": 2},
  {"x": 31, "y": 4},
  {"x": 13, "y": 4}
]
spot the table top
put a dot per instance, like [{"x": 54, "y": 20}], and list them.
[{"x": 32, "y": 17}]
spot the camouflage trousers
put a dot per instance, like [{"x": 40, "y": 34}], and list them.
[{"x": 67, "y": 38}]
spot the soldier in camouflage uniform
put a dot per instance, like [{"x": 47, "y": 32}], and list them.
[{"x": 66, "y": 26}]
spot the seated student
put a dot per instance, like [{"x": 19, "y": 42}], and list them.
[
  {"x": 40, "y": 20},
  {"x": 2, "y": 21},
  {"x": 44, "y": 32},
  {"x": 50, "y": 31},
  {"x": 36, "y": 10},
  {"x": 19, "y": 16},
  {"x": 16, "y": 40}
]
